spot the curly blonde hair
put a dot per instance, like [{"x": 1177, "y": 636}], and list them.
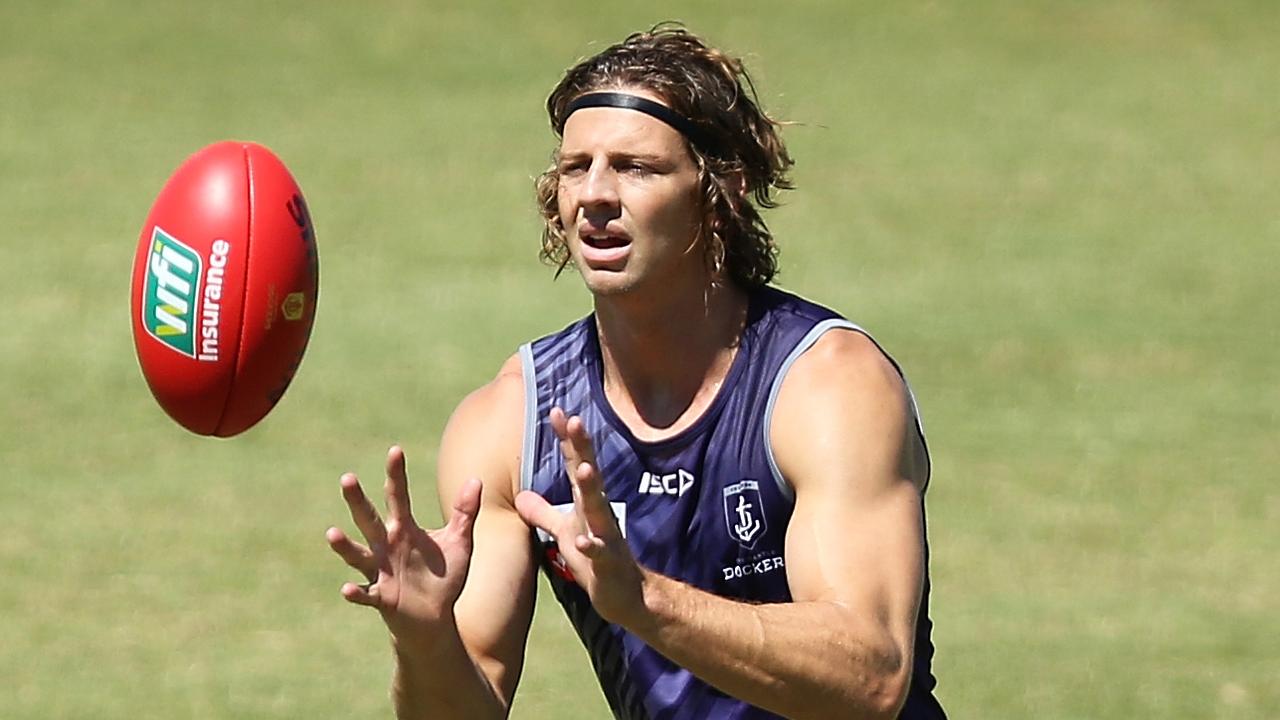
[{"x": 738, "y": 146}]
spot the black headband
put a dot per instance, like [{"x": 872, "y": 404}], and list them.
[{"x": 644, "y": 105}]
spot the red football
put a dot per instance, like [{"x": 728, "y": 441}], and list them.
[{"x": 224, "y": 288}]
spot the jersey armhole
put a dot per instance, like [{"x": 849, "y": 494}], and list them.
[
  {"x": 529, "y": 444},
  {"x": 816, "y": 332}
]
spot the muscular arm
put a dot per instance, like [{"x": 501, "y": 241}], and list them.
[
  {"x": 458, "y": 601},
  {"x": 494, "y": 612},
  {"x": 854, "y": 554}
]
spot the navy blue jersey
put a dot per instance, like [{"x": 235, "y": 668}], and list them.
[{"x": 707, "y": 506}]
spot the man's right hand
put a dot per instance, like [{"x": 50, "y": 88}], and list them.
[{"x": 414, "y": 576}]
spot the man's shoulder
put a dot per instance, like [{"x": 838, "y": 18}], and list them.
[
  {"x": 496, "y": 400},
  {"x": 865, "y": 407},
  {"x": 843, "y": 364},
  {"x": 770, "y": 299},
  {"x": 851, "y": 353},
  {"x": 484, "y": 433},
  {"x": 570, "y": 339},
  {"x": 827, "y": 340},
  {"x": 781, "y": 319}
]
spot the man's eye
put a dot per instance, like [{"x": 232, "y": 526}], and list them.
[
  {"x": 572, "y": 168},
  {"x": 634, "y": 169}
]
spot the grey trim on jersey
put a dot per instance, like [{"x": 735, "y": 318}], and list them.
[
  {"x": 529, "y": 446},
  {"x": 805, "y": 343}
]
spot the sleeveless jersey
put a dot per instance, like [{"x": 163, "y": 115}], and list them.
[{"x": 707, "y": 506}]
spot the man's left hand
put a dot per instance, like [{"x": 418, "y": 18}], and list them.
[{"x": 589, "y": 539}]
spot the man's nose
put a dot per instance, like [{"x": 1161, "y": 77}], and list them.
[{"x": 600, "y": 187}]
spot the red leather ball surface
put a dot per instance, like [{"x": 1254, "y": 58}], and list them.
[{"x": 225, "y": 281}]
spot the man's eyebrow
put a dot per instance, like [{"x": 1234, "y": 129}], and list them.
[
  {"x": 560, "y": 156},
  {"x": 646, "y": 157}
]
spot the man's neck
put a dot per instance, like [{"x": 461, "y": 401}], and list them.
[{"x": 665, "y": 358}]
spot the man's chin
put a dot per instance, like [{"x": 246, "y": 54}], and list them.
[
  {"x": 603, "y": 282},
  {"x": 609, "y": 287}
]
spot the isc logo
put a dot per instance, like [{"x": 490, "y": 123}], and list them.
[
  {"x": 169, "y": 298},
  {"x": 675, "y": 483}
]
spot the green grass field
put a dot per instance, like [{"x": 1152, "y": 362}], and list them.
[{"x": 1060, "y": 217}]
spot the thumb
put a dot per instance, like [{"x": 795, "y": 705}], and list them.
[
  {"x": 465, "y": 508},
  {"x": 537, "y": 512}
]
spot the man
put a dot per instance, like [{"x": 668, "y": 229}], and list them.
[{"x": 723, "y": 482}]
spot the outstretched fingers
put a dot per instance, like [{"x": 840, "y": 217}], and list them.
[
  {"x": 589, "y": 498},
  {"x": 397, "y": 487},
  {"x": 359, "y": 557},
  {"x": 575, "y": 444},
  {"x": 366, "y": 595},
  {"x": 363, "y": 512},
  {"x": 592, "y": 503}
]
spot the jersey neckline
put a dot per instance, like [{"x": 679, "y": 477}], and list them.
[{"x": 708, "y": 416}]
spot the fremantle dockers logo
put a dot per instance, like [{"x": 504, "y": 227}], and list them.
[{"x": 744, "y": 512}]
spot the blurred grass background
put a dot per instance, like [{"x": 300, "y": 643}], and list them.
[{"x": 1060, "y": 217}]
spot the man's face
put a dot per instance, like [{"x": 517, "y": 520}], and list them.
[{"x": 629, "y": 200}]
